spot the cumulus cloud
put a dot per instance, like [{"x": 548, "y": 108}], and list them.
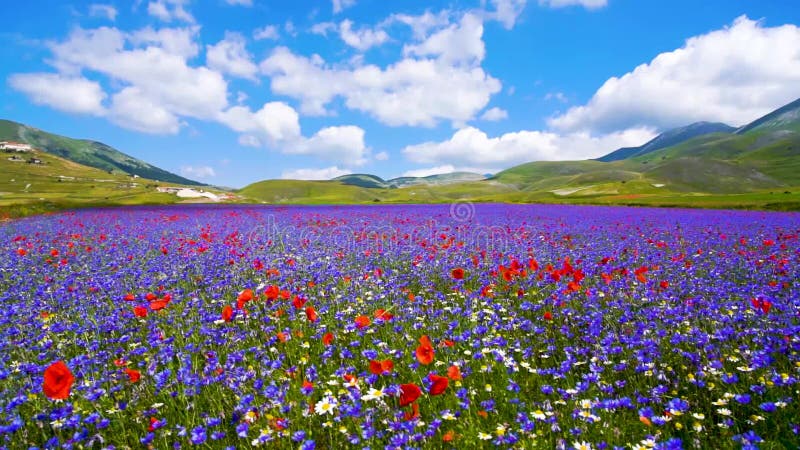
[
  {"x": 132, "y": 109},
  {"x": 314, "y": 174},
  {"x": 507, "y": 11},
  {"x": 231, "y": 57},
  {"x": 381, "y": 156},
  {"x": 72, "y": 94},
  {"x": 428, "y": 171},
  {"x": 340, "y": 143},
  {"x": 267, "y": 32},
  {"x": 494, "y": 114},
  {"x": 248, "y": 140},
  {"x": 732, "y": 75},
  {"x": 422, "y": 24},
  {"x": 275, "y": 121},
  {"x": 170, "y": 10},
  {"x": 439, "y": 78},
  {"x": 198, "y": 171},
  {"x": 588, "y": 4},
  {"x": 240, "y": 2},
  {"x": 278, "y": 125},
  {"x": 458, "y": 43},
  {"x": 158, "y": 70},
  {"x": 341, "y": 5},
  {"x": 471, "y": 146},
  {"x": 362, "y": 39},
  {"x": 101, "y": 10}
]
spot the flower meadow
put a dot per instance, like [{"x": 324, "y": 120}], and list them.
[{"x": 437, "y": 326}]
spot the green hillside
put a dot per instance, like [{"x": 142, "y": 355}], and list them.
[
  {"x": 86, "y": 152},
  {"x": 57, "y": 183}
]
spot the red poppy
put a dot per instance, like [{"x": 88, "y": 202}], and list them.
[
  {"x": 283, "y": 337},
  {"x": 425, "y": 351},
  {"x": 298, "y": 302},
  {"x": 245, "y": 296},
  {"x": 272, "y": 292},
  {"x": 327, "y": 338},
  {"x": 383, "y": 315},
  {"x": 227, "y": 313},
  {"x": 409, "y": 393},
  {"x": 379, "y": 367},
  {"x": 457, "y": 273},
  {"x": 548, "y": 315},
  {"x": 454, "y": 372},
  {"x": 664, "y": 284},
  {"x": 22, "y": 251},
  {"x": 362, "y": 321},
  {"x": 311, "y": 314},
  {"x": 158, "y": 304},
  {"x": 413, "y": 414},
  {"x": 140, "y": 311},
  {"x": 129, "y": 298},
  {"x": 150, "y": 297},
  {"x": 57, "y": 381},
  {"x": 438, "y": 384},
  {"x": 449, "y": 436},
  {"x": 133, "y": 375}
]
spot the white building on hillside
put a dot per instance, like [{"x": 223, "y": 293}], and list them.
[{"x": 11, "y": 146}]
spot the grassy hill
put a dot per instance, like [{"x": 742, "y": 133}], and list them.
[
  {"x": 86, "y": 152},
  {"x": 668, "y": 139},
  {"x": 704, "y": 164}
]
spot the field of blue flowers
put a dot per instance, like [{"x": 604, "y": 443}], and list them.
[{"x": 440, "y": 326}]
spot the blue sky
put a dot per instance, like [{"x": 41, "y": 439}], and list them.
[{"x": 234, "y": 91}]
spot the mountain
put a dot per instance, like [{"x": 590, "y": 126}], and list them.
[
  {"x": 362, "y": 180},
  {"x": 668, "y": 139},
  {"x": 436, "y": 180},
  {"x": 701, "y": 158},
  {"x": 706, "y": 164},
  {"x": 88, "y": 153},
  {"x": 784, "y": 118}
]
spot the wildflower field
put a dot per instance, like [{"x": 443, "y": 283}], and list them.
[{"x": 439, "y": 326}]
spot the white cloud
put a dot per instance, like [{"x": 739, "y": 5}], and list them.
[
  {"x": 314, "y": 174},
  {"x": 341, "y": 143},
  {"x": 132, "y": 109},
  {"x": 323, "y": 28},
  {"x": 101, "y": 10},
  {"x": 588, "y": 4},
  {"x": 507, "y": 11},
  {"x": 422, "y": 24},
  {"x": 494, "y": 114},
  {"x": 240, "y": 2},
  {"x": 66, "y": 93},
  {"x": 382, "y": 156},
  {"x": 410, "y": 92},
  {"x": 267, "y": 32},
  {"x": 278, "y": 125},
  {"x": 438, "y": 170},
  {"x": 471, "y": 146},
  {"x": 362, "y": 39},
  {"x": 248, "y": 140},
  {"x": 732, "y": 75},
  {"x": 340, "y": 5},
  {"x": 231, "y": 57},
  {"x": 169, "y": 10},
  {"x": 559, "y": 96},
  {"x": 458, "y": 43},
  {"x": 175, "y": 41},
  {"x": 445, "y": 169},
  {"x": 158, "y": 69},
  {"x": 198, "y": 172},
  {"x": 275, "y": 121}
]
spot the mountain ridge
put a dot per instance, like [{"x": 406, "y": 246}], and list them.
[{"x": 87, "y": 152}]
